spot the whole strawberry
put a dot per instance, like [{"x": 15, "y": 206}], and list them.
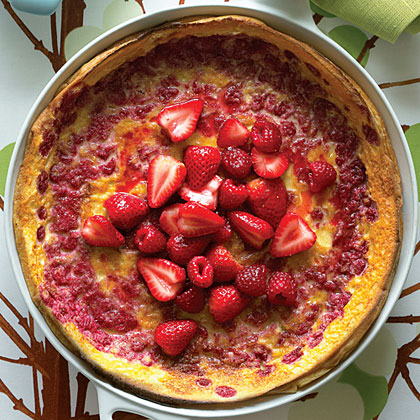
[
  {"x": 226, "y": 302},
  {"x": 266, "y": 136},
  {"x": 268, "y": 199},
  {"x": 224, "y": 265},
  {"x": 281, "y": 289},
  {"x": 174, "y": 336},
  {"x": 252, "y": 280},
  {"x": 125, "y": 210},
  {"x": 202, "y": 163},
  {"x": 192, "y": 300},
  {"x": 322, "y": 175},
  {"x": 232, "y": 194},
  {"x": 181, "y": 249}
]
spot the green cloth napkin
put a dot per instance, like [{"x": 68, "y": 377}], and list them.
[{"x": 385, "y": 18}]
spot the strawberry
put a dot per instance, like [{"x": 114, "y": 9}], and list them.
[
  {"x": 224, "y": 265},
  {"x": 281, "y": 289},
  {"x": 125, "y": 210},
  {"x": 252, "y": 280},
  {"x": 163, "y": 277},
  {"x": 269, "y": 165},
  {"x": 253, "y": 230},
  {"x": 195, "y": 220},
  {"x": 236, "y": 162},
  {"x": 99, "y": 231},
  {"x": 169, "y": 218},
  {"x": 179, "y": 120},
  {"x": 200, "y": 271},
  {"x": 226, "y": 302},
  {"x": 232, "y": 194},
  {"x": 224, "y": 234},
  {"x": 192, "y": 300},
  {"x": 207, "y": 196},
  {"x": 166, "y": 174},
  {"x": 293, "y": 235},
  {"x": 232, "y": 133},
  {"x": 268, "y": 199},
  {"x": 181, "y": 249},
  {"x": 322, "y": 175},
  {"x": 266, "y": 136},
  {"x": 174, "y": 336},
  {"x": 149, "y": 239},
  {"x": 202, "y": 163}
]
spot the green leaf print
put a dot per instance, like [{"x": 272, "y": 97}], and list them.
[
  {"x": 413, "y": 138},
  {"x": 317, "y": 9},
  {"x": 331, "y": 402},
  {"x": 5, "y": 155},
  {"x": 373, "y": 389},
  {"x": 115, "y": 13},
  {"x": 351, "y": 39}
]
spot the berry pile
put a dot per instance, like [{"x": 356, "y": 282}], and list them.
[{"x": 183, "y": 229}]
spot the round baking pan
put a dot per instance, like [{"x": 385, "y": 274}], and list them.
[{"x": 286, "y": 19}]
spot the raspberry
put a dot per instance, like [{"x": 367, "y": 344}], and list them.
[
  {"x": 322, "y": 175},
  {"x": 223, "y": 234},
  {"x": 266, "y": 136},
  {"x": 252, "y": 280},
  {"x": 200, "y": 271},
  {"x": 236, "y": 162},
  {"x": 192, "y": 300},
  {"x": 281, "y": 289},
  {"x": 232, "y": 194}
]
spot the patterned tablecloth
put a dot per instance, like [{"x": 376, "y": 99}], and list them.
[{"x": 37, "y": 383}]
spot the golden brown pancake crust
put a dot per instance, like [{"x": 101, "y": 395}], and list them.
[{"x": 117, "y": 347}]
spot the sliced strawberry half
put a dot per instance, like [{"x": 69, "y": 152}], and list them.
[
  {"x": 232, "y": 133},
  {"x": 166, "y": 174},
  {"x": 196, "y": 220},
  {"x": 99, "y": 231},
  {"x": 163, "y": 277},
  {"x": 269, "y": 165},
  {"x": 293, "y": 235},
  {"x": 179, "y": 120},
  {"x": 250, "y": 228},
  {"x": 207, "y": 196},
  {"x": 169, "y": 218}
]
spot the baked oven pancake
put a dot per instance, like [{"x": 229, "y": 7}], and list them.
[{"x": 209, "y": 210}]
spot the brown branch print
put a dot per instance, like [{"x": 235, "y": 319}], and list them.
[
  {"x": 44, "y": 360},
  {"x": 399, "y": 83},
  {"x": 317, "y": 18},
  {"x": 401, "y": 367},
  {"x": 71, "y": 17},
  {"x": 369, "y": 44},
  {"x": 140, "y": 3}
]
